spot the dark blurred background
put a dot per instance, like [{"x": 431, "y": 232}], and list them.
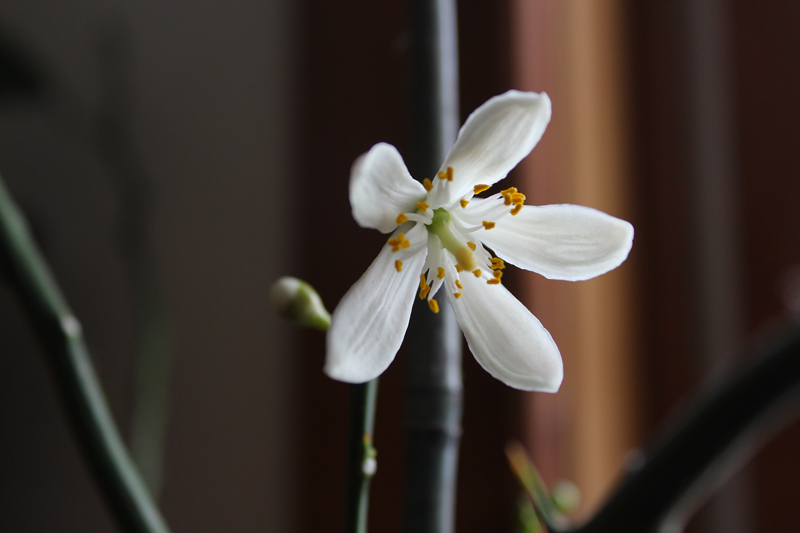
[{"x": 225, "y": 132}]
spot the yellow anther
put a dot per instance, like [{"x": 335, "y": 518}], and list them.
[
  {"x": 398, "y": 243},
  {"x": 516, "y": 209},
  {"x": 498, "y": 274},
  {"x": 517, "y": 198},
  {"x": 494, "y": 281},
  {"x": 398, "y": 265},
  {"x": 423, "y": 292},
  {"x": 422, "y": 206},
  {"x": 442, "y": 175},
  {"x": 508, "y": 193},
  {"x": 497, "y": 263},
  {"x": 440, "y": 275},
  {"x": 477, "y": 272},
  {"x": 401, "y": 219},
  {"x": 458, "y": 284},
  {"x": 464, "y": 203},
  {"x": 487, "y": 225},
  {"x": 457, "y": 295},
  {"x": 480, "y": 188},
  {"x": 428, "y": 184},
  {"x": 422, "y": 282},
  {"x": 472, "y": 245},
  {"x": 434, "y": 305},
  {"x": 458, "y": 268},
  {"x": 449, "y": 173}
]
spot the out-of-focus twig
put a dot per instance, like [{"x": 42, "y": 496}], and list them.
[{"x": 62, "y": 339}]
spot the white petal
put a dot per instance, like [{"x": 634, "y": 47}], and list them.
[
  {"x": 381, "y": 188},
  {"x": 496, "y": 137},
  {"x": 506, "y": 339},
  {"x": 368, "y": 325},
  {"x": 568, "y": 242}
]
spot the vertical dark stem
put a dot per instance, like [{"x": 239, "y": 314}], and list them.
[
  {"x": 81, "y": 393},
  {"x": 360, "y": 454},
  {"x": 434, "y": 401}
]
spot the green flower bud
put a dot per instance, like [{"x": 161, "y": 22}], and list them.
[
  {"x": 566, "y": 496},
  {"x": 297, "y": 302}
]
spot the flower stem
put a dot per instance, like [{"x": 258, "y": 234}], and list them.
[
  {"x": 361, "y": 455},
  {"x": 81, "y": 393},
  {"x": 297, "y": 302},
  {"x": 434, "y": 400}
]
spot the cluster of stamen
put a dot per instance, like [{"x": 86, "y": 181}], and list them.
[
  {"x": 497, "y": 270},
  {"x": 399, "y": 243},
  {"x": 446, "y": 175},
  {"x": 437, "y": 222},
  {"x": 424, "y": 289},
  {"x": 513, "y": 196}
]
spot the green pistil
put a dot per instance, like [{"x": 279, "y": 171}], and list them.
[{"x": 440, "y": 226}]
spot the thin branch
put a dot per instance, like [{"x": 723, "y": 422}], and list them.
[
  {"x": 361, "y": 455},
  {"x": 82, "y": 396}
]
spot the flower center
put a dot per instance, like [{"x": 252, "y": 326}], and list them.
[{"x": 440, "y": 226}]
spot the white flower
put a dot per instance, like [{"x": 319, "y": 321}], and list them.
[{"x": 440, "y": 231}]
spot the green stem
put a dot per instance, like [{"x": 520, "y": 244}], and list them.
[
  {"x": 81, "y": 393},
  {"x": 361, "y": 455}
]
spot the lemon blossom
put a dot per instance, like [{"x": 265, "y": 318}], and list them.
[{"x": 440, "y": 231}]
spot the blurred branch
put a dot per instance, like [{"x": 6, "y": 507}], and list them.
[
  {"x": 20, "y": 76},
  {"x": 155, "y": 349},
  {"x": 106, "y": 131},
  {"x": 81, "y": 393},
  {"x": 706, "y": 445}
]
